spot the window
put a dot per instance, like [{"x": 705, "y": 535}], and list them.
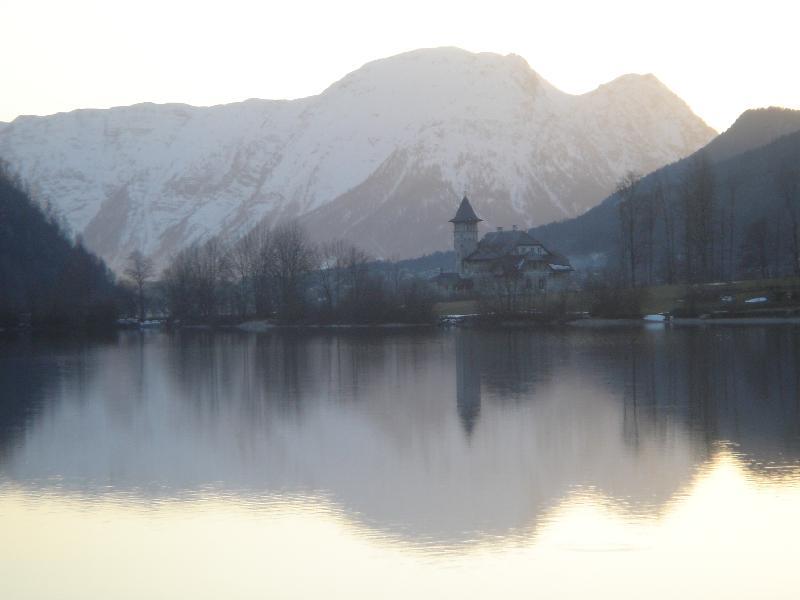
[{"x": 542, "y": 283}]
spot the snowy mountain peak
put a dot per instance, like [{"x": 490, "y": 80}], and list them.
[{"x": 379, "y": 157}]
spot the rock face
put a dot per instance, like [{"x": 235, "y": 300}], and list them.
[{"x": 381, "y": 157}]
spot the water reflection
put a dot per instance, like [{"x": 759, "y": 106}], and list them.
[
  {"x": 468, "y": 382},
  {"x": 438, "y": 439}
]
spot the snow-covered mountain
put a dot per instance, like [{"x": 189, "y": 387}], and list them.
[{"x": 381, "y": 157}]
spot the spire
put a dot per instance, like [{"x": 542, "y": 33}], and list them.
[{"x": 465, "y": 214}]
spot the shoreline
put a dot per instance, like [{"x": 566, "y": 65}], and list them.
[
  {"x": 684, "y": 321},
  {"x": 265, "y": 326},
  {"x": 445, "y": 323}
]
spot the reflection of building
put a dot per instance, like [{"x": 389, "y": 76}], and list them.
[
  {"x": 468, "y": 381},
  {"x": 501, "y": 255}
]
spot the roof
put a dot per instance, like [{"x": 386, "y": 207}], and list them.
[
  {"x": 554, "y": 259},
  {"x": 465, "y": 214},
  {"x": 500, "y": 243},
  {"x": 511, "y": 264},
  {"x": 498, "y": 247}
]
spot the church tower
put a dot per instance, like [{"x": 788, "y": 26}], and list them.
[{"x": 465, "y": 233}]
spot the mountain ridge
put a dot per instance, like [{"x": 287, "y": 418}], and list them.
[
  {"x": 754, "y": 128},
  {"x": 428, "y": 124}
]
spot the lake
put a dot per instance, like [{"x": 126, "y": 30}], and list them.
[{"x": 626, "y": 462}]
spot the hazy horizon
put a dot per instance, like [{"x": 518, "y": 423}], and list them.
[{"x": 93, "y": 54}]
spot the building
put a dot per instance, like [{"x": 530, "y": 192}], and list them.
[
  {"x": 501, "y": 257},
  {"x": 465, "y": 234}
]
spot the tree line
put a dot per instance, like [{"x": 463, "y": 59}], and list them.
[
  {"x": 281, "y": 274},
  {"x": 692, "y": 231},
  {"x": 49, "y": 280}
]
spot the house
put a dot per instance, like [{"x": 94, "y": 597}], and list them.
[{"x": 501, "y": 257}]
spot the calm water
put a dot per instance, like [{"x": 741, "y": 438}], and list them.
[{"x": 621, "y": 463}]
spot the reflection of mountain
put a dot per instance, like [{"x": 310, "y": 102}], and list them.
[{"x": 443, "y": 436}]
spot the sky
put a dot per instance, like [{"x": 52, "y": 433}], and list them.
[{"x": 720, "y": 57}]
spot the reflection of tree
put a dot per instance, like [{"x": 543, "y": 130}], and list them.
[
  {"x": 726, "y": 385},
  {"x": 631, "y": 407},
  {"x": 468, "y": 380},
  {"x": 215, "y": 368},
  {"x": 23, "y": 386},
  {"x": 512, "y": 362},
  {"x": 31, "y": 371},
  {"x": 702, "y": 372}
]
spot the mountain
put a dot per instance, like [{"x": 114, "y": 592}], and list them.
[
  {"x": 380, "y": 157},
  {"x": 749, "y": 156},
  {"x": 754, "y": 128}
]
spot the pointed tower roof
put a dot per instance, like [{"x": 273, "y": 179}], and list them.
[{"x": 465, "y": 214}]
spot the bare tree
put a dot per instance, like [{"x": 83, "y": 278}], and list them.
[
  {"x": 394, "y": 274},
  {"x": 629, "y": 208},
  {"x": 698, "y": 214},
  {"x": 249, "y": 263},
  {"x": 332, "y": 259},
  {"x": 729, "y": 220},
  {"x": 755, "y": 250},
  {"x": 263, "y": 283},
  {"x": 213, "y": 271},
  {"x": 789, "y": 186},
  {"x": 505, "y": 293},
  {"x": 357, "y": 270},
  {"x": 196, "y": 280},
  {"x": 292, "y": 257},
  {"x": 179, "y": 279},
  {"x": 344, "y": 277},
  {"x": 139, "y": 271},
  {"x": 648, "y": 212},
  {"x": 666, "y": 208}
]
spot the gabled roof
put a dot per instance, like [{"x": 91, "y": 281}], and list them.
[
  {"x": 498, "y": 248},
  {"x": 554, "y": 259},
  {"x": 500, "y": 243},
  {"x": 517, "y": 265},
  {"x": 465, "y": 214}
]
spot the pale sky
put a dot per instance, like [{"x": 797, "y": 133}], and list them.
[{"x": 57, "y": 55}]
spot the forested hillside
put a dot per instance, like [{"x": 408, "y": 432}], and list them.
[
  {"x": 46, "y": 279},
  {"x": 711, "y": 216}
]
